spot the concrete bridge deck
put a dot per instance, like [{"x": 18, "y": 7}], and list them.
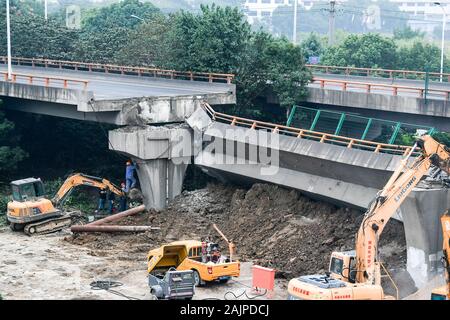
[{"x": 107, "y": 97}]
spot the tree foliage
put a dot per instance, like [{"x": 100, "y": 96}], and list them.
[
  {"x": 365, "y": 51},
  {"x": 10, "y": 154}
]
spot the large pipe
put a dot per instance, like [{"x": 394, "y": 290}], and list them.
[
  {"x": 90, "y": 228},
  {"x": 118, "y": 216}
]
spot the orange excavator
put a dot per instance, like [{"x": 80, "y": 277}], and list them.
[
  {"x": 33, "y": 213},
  {"x": 356, "y": 275},
  {"x": 443, "y": 293}
]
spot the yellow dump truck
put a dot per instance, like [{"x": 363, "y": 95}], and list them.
[{"x": 207, "y": 265}]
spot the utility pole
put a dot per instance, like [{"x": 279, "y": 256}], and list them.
[
  {"x": 331, "y": 22},
  {"x": 46, "y": 9},
  {"x": 8, "y": 40},
  {"x": 294, "y": 34}
]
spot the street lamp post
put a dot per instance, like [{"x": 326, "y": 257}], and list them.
[
  {"x": 444, "y": 18},
  {"x": 46, "y": 9},
  {"x": 8, "y": 40},
  {"x": 294, "y": 34}
]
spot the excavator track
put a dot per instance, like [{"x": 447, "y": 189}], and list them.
[{"x": 47, "y": 226}]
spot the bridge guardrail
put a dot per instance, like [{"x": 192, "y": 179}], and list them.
[
  {"x": 31, "y": 79},
  {"x": 312, "y": 135},
  {"x": 111, "y": 68},
  {"x": 382, "y": 73},
  {"x": 395, "y": 90}
]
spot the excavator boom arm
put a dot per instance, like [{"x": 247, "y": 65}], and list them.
[
  {"x": 389, "y": 200},
  {"x": 79, "y": 179}
]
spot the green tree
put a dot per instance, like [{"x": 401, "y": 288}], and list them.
[
  {"x": 10, "y": 154},
  {"x": 312, "y": 46},
  {"x": 33, "y": 36},
  {"x": 419, "y": 55},
  {"x": 213, "y": 40},
  {"x": 365, "y": 51},
  {"x": 106, "y": 30}
]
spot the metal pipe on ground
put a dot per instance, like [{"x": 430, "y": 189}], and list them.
[
  {"x": 96, "y": 228},
  {"x": 118, "y": 216}
]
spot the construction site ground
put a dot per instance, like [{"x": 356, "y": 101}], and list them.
[{"x": 269, "y": 225}]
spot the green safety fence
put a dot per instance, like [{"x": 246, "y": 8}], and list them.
[{"x": 355, "y": 126}]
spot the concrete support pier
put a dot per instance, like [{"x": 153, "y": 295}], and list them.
[
  {"x": 421, "y": 213},
  {"x": 161, "y": 154}
]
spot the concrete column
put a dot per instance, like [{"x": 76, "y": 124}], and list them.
[
  {"x": 421, "y": 213},
  {"x": 153, "y": 180},
  {"x": 175, "y": 178}
]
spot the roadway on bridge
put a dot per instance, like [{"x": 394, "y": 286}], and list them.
[{"x": 115, "y": 86}]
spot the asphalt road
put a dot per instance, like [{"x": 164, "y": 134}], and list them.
[{"x": 116, "y": 86}]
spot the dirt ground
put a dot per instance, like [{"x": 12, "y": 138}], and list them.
[{"x": 269, "y": 225}]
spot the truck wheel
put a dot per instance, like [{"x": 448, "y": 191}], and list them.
[
  {"x": 198, "y": 282},
  {"x": 224, "y": 280}
]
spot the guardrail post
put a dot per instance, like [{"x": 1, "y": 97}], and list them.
[
  {"x": 253, "y": 125},
  {"x": 85, "y": 85},
  {"x": 14, "y": 78},
  {"x": 377, "y": 150},
  {"x": 339, "y": 126},
  {"x": 228, "y": 80},
  {"x": 65, "y": 83},
  {"x": 344, "y": 86},
  {"x": 291, "y": 116},
  {"x": 210, "y": 79},
  {"x": 350, "y": 144},
  {"x": 322, "y": 84},
  {"x": 395, "y": 134},
  {"x": 300, "y": 134},
  {"x": 366, "y": 131},
  {"x": 233, "y": 122},
  {"x": 395, "y": 91},
  {"x": 316, "y": 118},
  {"x": 30, "y": 80},
  {"x": 47, "y": 82},
  {"x": 191, "y": 76}
]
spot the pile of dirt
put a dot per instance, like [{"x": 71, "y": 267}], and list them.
[{"x": 269, "y": 225}]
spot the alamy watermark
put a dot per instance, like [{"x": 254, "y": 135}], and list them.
[{"x": 247, "y": 149}]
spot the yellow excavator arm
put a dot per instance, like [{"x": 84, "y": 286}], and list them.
[
  {"x": 399, "y": 186},
  {"x": 79, "y": 179}
]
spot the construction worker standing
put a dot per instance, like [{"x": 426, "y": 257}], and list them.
[
  {"x": 123, "y": 198},
  {"x": 129, "y": 176},
  {"x": 101, "y": 199},
  {"x": 111, "y": 198}
]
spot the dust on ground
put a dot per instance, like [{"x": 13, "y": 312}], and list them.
[{"x": 270, "y": 226}]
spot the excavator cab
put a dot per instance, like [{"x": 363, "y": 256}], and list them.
[
  {"x": 343, "y": 266},
  {"x": 27, "y": 189}
]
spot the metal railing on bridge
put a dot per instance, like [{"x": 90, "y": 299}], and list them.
[
  {"x": 391, "y": 89},
  {"x": 321, "y": 137},
  {"x": 355, "y": 126},
  {"x": 130, "y": 70},
  {"x": 46, "y": 81},
  {"x": 382, "y": 73}
]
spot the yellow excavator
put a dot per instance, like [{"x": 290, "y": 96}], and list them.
[
  {"x": 30, "y": 211},
  {"x": 356, "y": 275},
  {"x": 443, "y": 293}
]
